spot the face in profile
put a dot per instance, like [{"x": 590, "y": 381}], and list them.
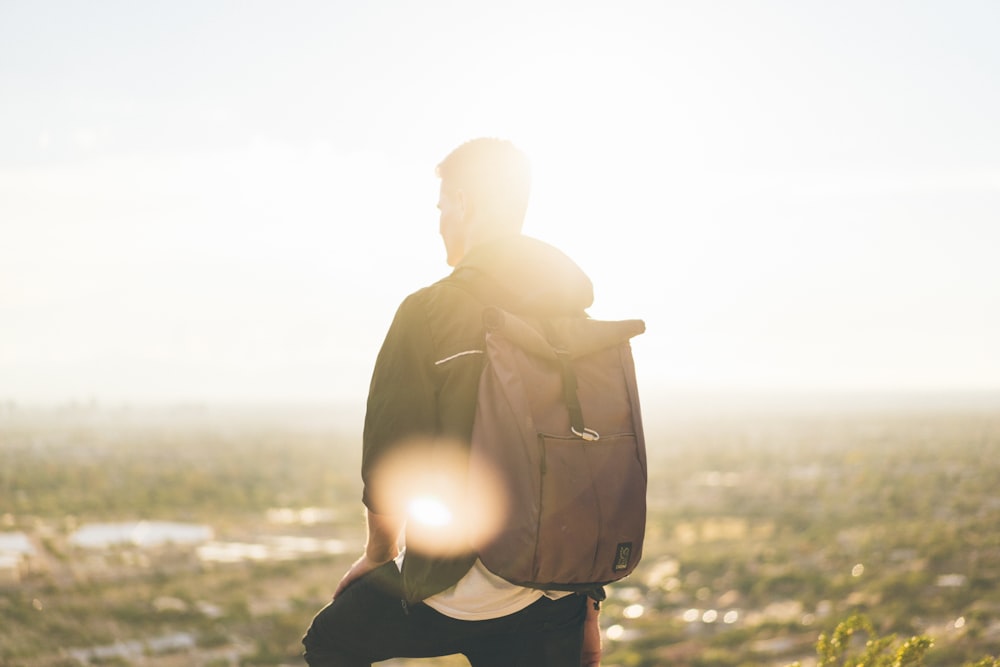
[{"x": 451, "y": 204}]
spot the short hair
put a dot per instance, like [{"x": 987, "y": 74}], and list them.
[{"x": 494, "y": 173}]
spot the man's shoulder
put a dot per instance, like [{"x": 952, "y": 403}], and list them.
[
  {"x": 448, "y": 308},
  {"x": 457, "y": 286}
]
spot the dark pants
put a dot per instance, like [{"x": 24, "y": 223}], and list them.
[{"x": 368, "y": 623}]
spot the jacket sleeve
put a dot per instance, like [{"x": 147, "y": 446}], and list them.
[{"x": 402, "y": 404}]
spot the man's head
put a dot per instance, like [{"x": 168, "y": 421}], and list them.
[{"x": 485, "y": 185}]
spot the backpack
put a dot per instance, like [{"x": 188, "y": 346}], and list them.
[{"x": 558, "y": 430}]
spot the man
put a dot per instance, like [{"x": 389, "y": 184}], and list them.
[{"x": 435, "y": 597}]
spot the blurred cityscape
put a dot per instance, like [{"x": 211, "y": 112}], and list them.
[{"x": 192, "y": 536}]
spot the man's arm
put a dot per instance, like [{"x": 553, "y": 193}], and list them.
[
  {"x": 592, "y": 636},
  {"x": 401, "y": 405},
  {"x": 381, "y": 547}
]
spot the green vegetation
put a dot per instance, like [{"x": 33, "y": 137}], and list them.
[
  {"x": 794, "y": 522},
  {"x": 836, "y": 650},
  {"x": 54, "y": 465},
  {"x": 817, "y": 538}
]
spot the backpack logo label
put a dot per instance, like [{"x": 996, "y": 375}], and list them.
[{"x": 623, "y": 554}]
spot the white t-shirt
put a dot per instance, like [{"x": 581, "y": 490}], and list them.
[{"x": 481, "y": 595}]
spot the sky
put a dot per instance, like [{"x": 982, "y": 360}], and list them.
[{"x": 226, "y": 201}]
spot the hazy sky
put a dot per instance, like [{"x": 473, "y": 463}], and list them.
[{"x": 227, "y": 200}]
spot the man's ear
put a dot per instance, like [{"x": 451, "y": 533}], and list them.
[{"x": 464, "y": 205}]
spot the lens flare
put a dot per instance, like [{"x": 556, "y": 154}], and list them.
[
  {"x": 429, "y": 510},
  {"x": 449, "y": 505}
]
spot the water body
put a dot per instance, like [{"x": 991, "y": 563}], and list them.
[
  {"x": 136, "y": 649},
  {"x": 16, "y": 543},
  {"x": 272, "y": 548},
  {"x": 140, "y": 533}
]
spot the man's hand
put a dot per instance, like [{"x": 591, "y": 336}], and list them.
[
  {"x": 383, "y": 533},
  {"x": 360, "y": 568},
  {"x": 591, "y": 656}
]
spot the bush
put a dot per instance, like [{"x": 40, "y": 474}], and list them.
[{"x": 836, "y": 650}]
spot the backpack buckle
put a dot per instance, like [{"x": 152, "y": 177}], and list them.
[{"x": 588, "y": 434}]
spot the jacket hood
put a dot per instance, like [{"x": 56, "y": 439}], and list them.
[{"x": 540, "y": 277}]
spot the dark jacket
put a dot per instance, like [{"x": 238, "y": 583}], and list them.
[{"x": 417, "y": 396}]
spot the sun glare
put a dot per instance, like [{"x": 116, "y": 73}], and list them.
[
  {"x": 430, "y": 511},
  {"x": 448, "y": 505}
]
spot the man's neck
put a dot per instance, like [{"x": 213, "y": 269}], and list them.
[{"x": 482, "y": 234}]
